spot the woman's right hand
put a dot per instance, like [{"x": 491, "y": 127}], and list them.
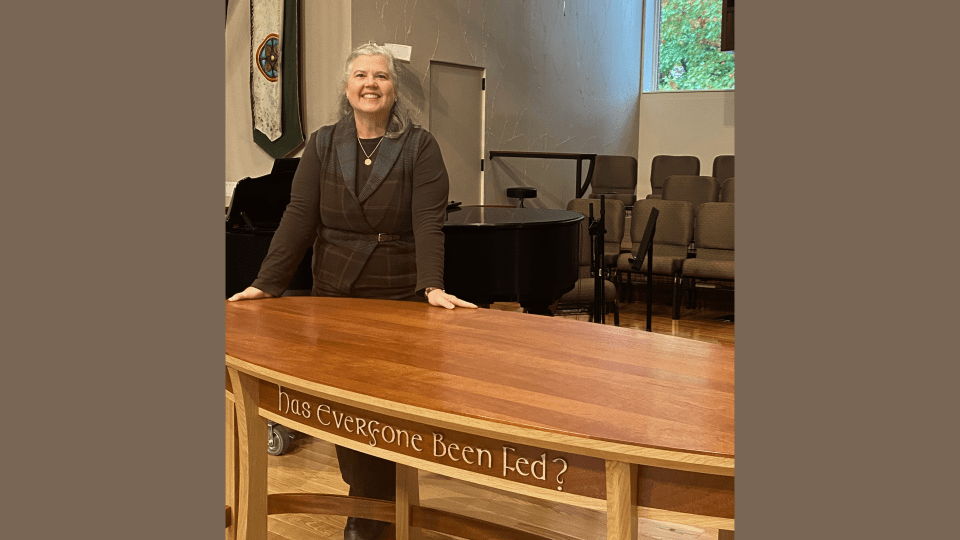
[{"x": 250, "y": 293}]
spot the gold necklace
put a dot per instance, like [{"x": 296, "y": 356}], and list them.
[{"x": 368, "y": 161}]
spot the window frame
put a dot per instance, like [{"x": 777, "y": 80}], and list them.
[{"x": 650, "y": 53}]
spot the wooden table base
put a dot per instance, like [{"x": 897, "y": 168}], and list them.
[
  {"x": 246, "y": 462},
  {"x": 644, "y": 429}
]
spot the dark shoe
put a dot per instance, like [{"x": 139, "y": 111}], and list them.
[{"x": 363, "y": 529}]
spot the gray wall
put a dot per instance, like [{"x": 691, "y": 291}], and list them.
[{"x": 558, "y": 80}]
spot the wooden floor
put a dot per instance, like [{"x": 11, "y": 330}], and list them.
[{"x": 311, "y": 464}]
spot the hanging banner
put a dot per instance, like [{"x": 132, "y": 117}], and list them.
[
  {"x": 266, "y": 30},
  {"x": 274, "y": 81}
]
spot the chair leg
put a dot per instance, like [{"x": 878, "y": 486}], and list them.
[
  {"x": 616, "y": 314},
  {"x": 649, "y": 314},
  {"x": 677, "y": 291}
]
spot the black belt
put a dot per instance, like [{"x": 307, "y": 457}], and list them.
[
  {"x": 376, "y": 237},
  {"x": 384, "y": 237}
]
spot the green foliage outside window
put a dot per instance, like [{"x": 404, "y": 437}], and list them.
[{"x": 690, "y": 55}]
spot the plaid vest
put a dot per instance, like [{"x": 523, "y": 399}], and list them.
[{"x": 350, "y": 221}]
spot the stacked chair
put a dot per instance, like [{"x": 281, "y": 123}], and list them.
[
  {"x": 663, "y": 167},
  {"x": 615, "y": 177},
  {"x": 693, "y": 189},
  {"x": 582, "y": 295},
  {"x": 722, "y": 168},
  {"x": 674, "y": 233},
  {"x": 694, "y": 232},
  {"x": 726, "y": 190},
  {"x": 697, "y": 190},
  {"x": 693, "y": 237},
  {"x": 723, "y": 172},
  {"x": 714, "y": 237}
]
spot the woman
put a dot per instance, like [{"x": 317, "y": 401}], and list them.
[{"x": 370, "y": 195}]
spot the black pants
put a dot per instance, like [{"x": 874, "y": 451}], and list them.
[{"x": 368, "y": 476}]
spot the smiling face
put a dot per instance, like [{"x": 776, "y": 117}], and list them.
[{"x": 369, "y": 86}]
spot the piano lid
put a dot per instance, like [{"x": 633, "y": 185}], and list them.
[
  {"x": 494, "y": 216},
  {"x": 258, "y": 203}
]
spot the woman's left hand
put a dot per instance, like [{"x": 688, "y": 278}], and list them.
[{"x": 439, "y": 298}]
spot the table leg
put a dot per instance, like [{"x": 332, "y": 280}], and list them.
[
  {"x": 232, "y": 470},
  {"x": 725, "y": 535},
  {"x": 252, "y": 445},
  {"x": 621, "y": 501},
  {"x": 408, "y": 494}
]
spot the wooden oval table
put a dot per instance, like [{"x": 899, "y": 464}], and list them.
[{"x": 606, "y": 418}]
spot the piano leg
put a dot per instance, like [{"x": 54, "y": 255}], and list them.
[{"x": 538, "y": 307}]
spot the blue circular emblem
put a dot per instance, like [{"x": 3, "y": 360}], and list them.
[{"x": 268, "y": 57}]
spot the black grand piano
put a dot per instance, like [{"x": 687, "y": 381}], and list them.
[
  {"x": 252, "y": 219},
  {"x": 525, "y": 255},
  {"x": 493, "y": 254}
]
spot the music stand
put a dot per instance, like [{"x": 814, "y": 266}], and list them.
[
  {"x": 645, "y": 249},
  {"x": 597, "y": 230}
]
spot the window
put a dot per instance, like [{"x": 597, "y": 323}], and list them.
[{"x": 681, "y": 47}]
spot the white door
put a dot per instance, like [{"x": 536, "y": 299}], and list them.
[{"x": 456, "y": 120}]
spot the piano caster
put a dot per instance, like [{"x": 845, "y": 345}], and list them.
[{"x": 278, "y": 439}]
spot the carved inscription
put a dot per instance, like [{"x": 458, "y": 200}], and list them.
[{"x": 525, "y": 464}]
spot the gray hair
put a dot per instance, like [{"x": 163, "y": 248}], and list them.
[{"x": 400, "y": 119}]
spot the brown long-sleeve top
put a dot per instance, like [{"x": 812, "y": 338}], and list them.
[{"x": 339, "y": 213}]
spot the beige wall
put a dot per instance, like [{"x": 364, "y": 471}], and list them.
[
  {"x": 684, "y": 123},
  {"x": 324, "y": 43}
]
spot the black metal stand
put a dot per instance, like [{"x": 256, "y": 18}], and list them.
[
  {"x": 581, "y": 184},
  {"x": 596, "y": 229},
  {"x": 650, "y": 280},
  {"x": 645, "y": 249}
]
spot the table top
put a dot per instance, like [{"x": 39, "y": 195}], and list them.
[{"x": 509, "y": 371}]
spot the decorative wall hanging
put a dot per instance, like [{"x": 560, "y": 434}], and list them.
[{"x": 274, "y": 76}]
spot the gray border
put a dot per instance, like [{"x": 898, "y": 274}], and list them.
[
  {"x": 114, "y": 272},
  {"x": 842, "y": 409},
  {"x": 113, "y": 331}
]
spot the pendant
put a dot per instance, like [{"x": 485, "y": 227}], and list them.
[{"x": 367, "y": 161}]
